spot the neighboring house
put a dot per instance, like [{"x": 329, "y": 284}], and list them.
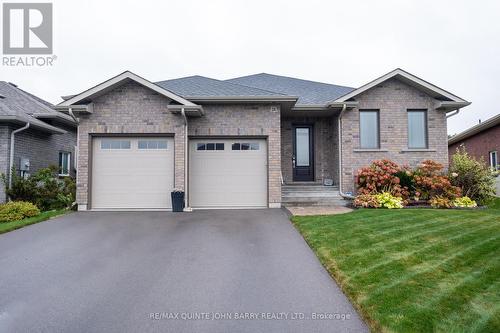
[
  {"x": 480, "y": 141},
  {"x": 235, "y": 143},
  {"x": 40, "y": 135}
]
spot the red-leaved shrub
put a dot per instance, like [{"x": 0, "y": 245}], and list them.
[
  {"x": 380, "y": 177},
  {"x": 430, "y": 182}
]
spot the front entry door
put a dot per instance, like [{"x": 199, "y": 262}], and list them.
[{"x": 303, "y": 153}]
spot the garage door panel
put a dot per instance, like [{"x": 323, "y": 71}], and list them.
[
  {"x": 228, "y": 178},
  {"x": 132, "y": 178}
]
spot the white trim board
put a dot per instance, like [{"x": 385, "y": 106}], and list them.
[{"x": 115, "y": 81}]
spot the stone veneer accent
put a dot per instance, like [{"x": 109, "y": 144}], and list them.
[
  {"x": 325, "y": 146},
  {"x": 134, "y": 109},
  {"x": 392, "y": 98}
]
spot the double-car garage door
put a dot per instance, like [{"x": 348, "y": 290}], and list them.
[{"x": 138, "y": 173}]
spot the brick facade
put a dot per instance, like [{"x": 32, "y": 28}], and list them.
[
  {"x": 134, "y": 109},
  {"x": 246, "y": 120},
  {"x": 325, "y": 146},
  {"x": 392, "y": 98},
  {"x": 41, "y": 148},
  {"x": 128, "y": 109},
  {"x": 480, "y": 144}
]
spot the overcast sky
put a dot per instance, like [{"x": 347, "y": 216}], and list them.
[{"x": 453, "y": 44}]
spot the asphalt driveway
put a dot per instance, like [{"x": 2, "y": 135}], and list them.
[{"x": 208, "y": 271}]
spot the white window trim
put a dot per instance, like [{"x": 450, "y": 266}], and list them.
[{"x": 68, "y": 158}]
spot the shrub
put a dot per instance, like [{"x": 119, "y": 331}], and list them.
[
  {"x": 473, "y": 176},
  {"x": 381, "y": 176},
  {"x": 17, "y": 210},
  {"x": 44, "y": 189},
  {"x": 430, "y": 182},
  {"x": 389, "y": 201},
  {"x": 440, "y": 202},
  {"x": 464, "y": 202},
  {"x": 366, "y": 201}
]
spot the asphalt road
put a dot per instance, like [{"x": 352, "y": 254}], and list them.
[{"x": 206, "y": 271}]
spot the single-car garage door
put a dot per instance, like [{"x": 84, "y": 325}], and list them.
[
  {"x": 227, "y": 173},
  {"x": 132, "y": 173}
]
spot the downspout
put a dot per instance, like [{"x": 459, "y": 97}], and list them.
[
  {"x": 453, "y": 113},
  {"x": 345, "y": 196},
  {"x": 77, "y": 121},
  {"x": 186, "y": 166},
  {"x": 12, "y": 143}
]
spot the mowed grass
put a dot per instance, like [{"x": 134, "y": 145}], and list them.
[
  {"x": 9, "y": 226},
  {"x": 414, "y": 270}
]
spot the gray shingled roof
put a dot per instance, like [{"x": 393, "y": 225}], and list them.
[
  {"x": 309, "y": 92},
  {"x": 18, "y": 105},
  {"x": 200, "y": 86}
]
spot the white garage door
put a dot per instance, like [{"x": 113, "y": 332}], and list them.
[
  {"x": 132, "y": 173},
  {"x": 228, "y": 173}
]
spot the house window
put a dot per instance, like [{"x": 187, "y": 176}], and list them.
[
  {"x": 115, "y": 144},
  {"x": 245, "y": 146},
  {"x": 417, "y": 129},
  {"x": 493, "y": 160},
  {"x": 210, "y": 146},
  {"x": 369, "y": 129},
  {"x": 152, "y": 144},
  {"x": 64, "y": 163}
]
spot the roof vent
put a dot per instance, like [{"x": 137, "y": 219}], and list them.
[
  {"x": 13, "y": 84},
  {"x": 2, "y": 96}
]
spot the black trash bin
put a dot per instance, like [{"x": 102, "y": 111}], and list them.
[{"x": 177, "y": 201}]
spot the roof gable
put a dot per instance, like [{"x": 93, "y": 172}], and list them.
[
  {"x": 409, "y": 79},
  {"x": 117, "y": 81}
]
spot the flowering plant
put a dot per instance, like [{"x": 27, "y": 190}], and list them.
[{"x": 381, "y": 176}]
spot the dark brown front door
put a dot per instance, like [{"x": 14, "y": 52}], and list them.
[{"x": 303, "y": 153}]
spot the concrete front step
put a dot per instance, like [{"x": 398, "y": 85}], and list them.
[
  {"x": 311, "y": 195},
  {"x": 331, "y": 194},
  {"x": 322, "y": 203},
  {"x": 296, "y": 188}
]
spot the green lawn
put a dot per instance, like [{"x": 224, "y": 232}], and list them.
[
  {"x": 9, "y": 226},
  {"x": 414, "y": 270}
]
